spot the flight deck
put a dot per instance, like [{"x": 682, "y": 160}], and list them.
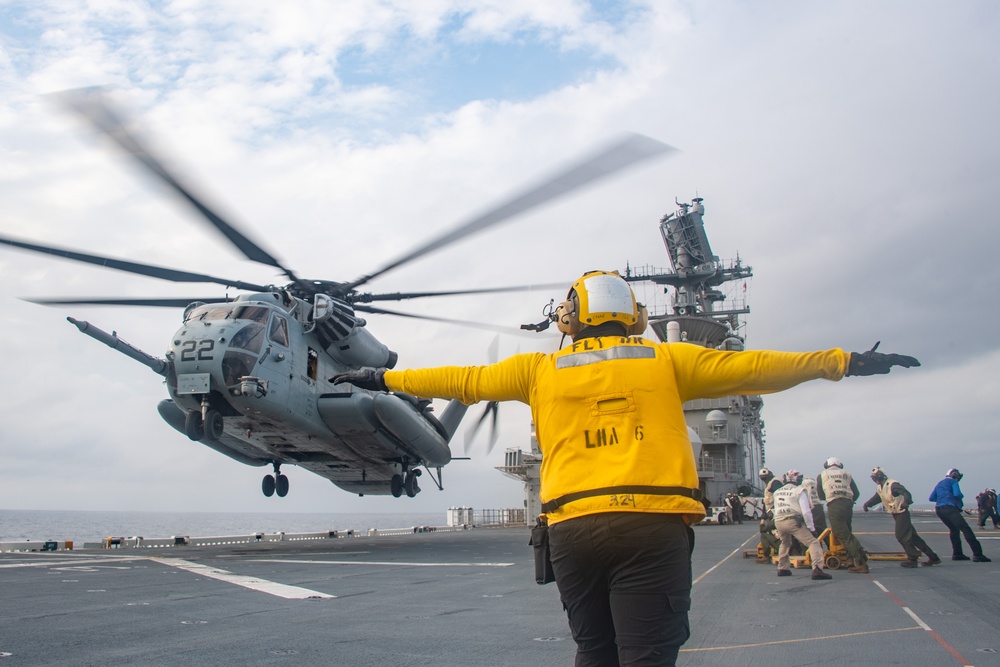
[{"x": 468, "y": 597}]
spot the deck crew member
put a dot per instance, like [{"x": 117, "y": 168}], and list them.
[
  {"x": 619, "y": 483},
  {"x": 793, "y": 519},
  {"x": 836, "y": 486},
  {"x": 896, "y": 500},
  {"x": 771, "y": 484},
  {"x": 735, "y": 507},
  {"x": 770, "y": 543},
  {"x": 948, "y": 501},
  {"x": 819, "y": 516},
  {"x": 986, "y": 502}
]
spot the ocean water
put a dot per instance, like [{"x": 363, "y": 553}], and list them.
[{"x": 59, "y": 525}]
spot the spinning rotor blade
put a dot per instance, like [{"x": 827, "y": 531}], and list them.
[
  {"x": 399, "y": 296},
  {"x": 94, "y": 105},
  {"x": 162, "y": 273},
  {"x": 431, "y": 318},
  {"x": 492, "y": 409},
  {"x": 632, "y": 149},
  {"x": 154, "y": 302}
]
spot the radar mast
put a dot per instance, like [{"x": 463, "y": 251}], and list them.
[{"x": 730, "y": 428}]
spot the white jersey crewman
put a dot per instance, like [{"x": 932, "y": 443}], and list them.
[{"x": 793, "y": 519}]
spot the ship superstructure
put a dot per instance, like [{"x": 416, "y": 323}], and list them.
[
  {"x": 730, "y": 428},
  {"x": 727, "y": 433}
]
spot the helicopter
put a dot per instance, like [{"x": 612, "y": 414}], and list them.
[{"x": 248, "y": 376}]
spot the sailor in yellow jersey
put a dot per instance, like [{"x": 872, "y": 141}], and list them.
[{"x": 619, "y": 485}]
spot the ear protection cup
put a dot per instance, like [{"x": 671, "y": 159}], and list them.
[
  {"x": 566, "y": 316},
  {"x": 598, "y": 297}
]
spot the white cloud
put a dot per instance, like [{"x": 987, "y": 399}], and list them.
[{"x": 847, "y": 153}]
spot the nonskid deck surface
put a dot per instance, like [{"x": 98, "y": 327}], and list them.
[{"x": 469, "y": 598}]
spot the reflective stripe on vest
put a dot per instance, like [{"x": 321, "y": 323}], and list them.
[{"x": 597, "y": 356}]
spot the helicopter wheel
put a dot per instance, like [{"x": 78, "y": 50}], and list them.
[
  {"x": 396, "y": 486},
  {"x": 410, "y": 485},
  {"x": 214, "y": 425},
  {"x": 193, "y": 426},
  {"x": 281, "y": 486},
  {"x": 268, "y": 485}
]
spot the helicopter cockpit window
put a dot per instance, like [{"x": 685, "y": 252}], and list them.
[
  {"x": 250, "y": 337},
  {"x": 208, "y": 313},
  {"x": 236, "y": 365},
  {"x": 279, "y": 331},
  {"x": 255, "y": 313}
]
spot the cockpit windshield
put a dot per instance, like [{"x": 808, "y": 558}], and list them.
[
  {"x": 227, "y": 312},
  {"x": 249, "y": 338}
]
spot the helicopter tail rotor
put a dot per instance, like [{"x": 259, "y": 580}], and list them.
[{"x": 492, "y": 410}]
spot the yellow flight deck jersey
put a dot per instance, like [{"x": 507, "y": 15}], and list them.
[{"x": 608, "y": 411}]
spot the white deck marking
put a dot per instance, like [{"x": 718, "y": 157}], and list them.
[
  {"x": 253, "y": 583},
  {"x": 734, "y": 551},
  {"x": 378, "y": 562}
]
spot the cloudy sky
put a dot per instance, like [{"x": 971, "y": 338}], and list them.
[{"x": 847, "y": 151}]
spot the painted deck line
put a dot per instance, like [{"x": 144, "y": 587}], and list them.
[
  {"x": 253, "y": 583},
  {"x": 948, "y": 647},
  {"x": 392, "y": 563}
]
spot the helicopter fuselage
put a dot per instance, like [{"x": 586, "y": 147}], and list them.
[{"x": 249, "y": 379}]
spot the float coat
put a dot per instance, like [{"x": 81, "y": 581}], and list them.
[{"x": 608, "y": 411}]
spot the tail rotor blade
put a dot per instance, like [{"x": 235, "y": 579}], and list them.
[{"x": 491, "y": 410}]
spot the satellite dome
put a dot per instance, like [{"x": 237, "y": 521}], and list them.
[{"x": 716, "y": 418}]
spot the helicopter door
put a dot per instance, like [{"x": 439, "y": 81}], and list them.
[{"x": 275, "y": 364}]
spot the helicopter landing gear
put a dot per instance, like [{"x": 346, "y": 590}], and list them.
[
  {"x": 410, "y": 484},
  {"x": 213, "y": 424},
  {"x": 206, "y": 423},
  {"x": 405, "y": 483},
  {"x": 275, "y": 484}
]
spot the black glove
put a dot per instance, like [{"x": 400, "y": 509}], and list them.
[
  {"x": 365, "y": 378},
  {"x": 865, "y": 507},
  {"x": 876, "y": 363}
]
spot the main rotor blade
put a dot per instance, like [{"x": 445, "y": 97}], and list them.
[
  {"x": 160, "y": 272},
  {"x": 154, "y": 302},
  {"x": 94, "y": 105},
  {"x": 399, "y": 296},
  {"x": 463, "y": 323},
  {"x": 633, "y": 148}
]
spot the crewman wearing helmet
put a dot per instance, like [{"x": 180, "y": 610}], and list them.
[
  {"x": 793, "y": 520},
  {"x": 819, "y": 516},
  {"x": 619, "y": 482},
  {"x": 948, "y": 501},
  {"x": 896, "y": 500},
  {"x": 836, "y": 486},
  {"x": 987, "y": 505},
  {"x": 771, "y": 484}
]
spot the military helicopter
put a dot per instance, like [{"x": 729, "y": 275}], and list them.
[{"x": 247, "y": 377}]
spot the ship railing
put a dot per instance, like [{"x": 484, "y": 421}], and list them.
[
  {"x": 708, "y": 464},
  {"x": 459, "y": 519}
]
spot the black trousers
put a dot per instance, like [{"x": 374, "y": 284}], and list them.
[
  {"x": 907, "y": 536},
  {"x": 990, "y": 513},
  {"x": 625, "y": 581},
  {"x": 952, "y": 517}
]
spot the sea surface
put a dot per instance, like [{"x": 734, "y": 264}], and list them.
[{"x": 80, "y": 526}]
